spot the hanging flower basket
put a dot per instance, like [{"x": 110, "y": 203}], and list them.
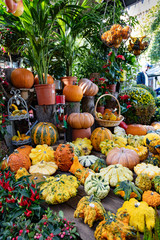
[
  {"x": 115, "y": 35},
  {"x": 138, "y": 45}
]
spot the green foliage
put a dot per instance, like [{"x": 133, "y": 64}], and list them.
[
  {"x": 158, "y": 101},
  {"x": 157, "y": 115}
]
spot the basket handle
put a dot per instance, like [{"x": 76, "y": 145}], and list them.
[{"x": 119, "y": 112}]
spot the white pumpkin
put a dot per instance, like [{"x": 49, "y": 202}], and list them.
[
  {"x": 148, "y": 169},
  {"x": 116, "y": 173},
  {"x": 46, "y": 168},
  {"x": 87, "y": 160},
  {"x": 97, "y": 185}
]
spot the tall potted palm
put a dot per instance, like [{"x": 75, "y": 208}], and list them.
[{"x": 38, "y": 21}]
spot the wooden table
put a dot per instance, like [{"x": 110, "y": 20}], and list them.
[{"x": 110, "y": 203}]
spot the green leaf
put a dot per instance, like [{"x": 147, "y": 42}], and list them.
[{"x": 61, "y": 214}]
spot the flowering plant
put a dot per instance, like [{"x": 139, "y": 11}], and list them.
[
  {"x": 103, "y": 88},
  {"x": 50, "y": 226},
  {"x": 3, "y": 112},
  {"x": 113, "y": 68},
  {"x": 18, "y": 197}
]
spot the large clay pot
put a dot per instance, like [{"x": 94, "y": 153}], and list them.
[
  {"x": 45, "y": 94},
  {"x": 69, "y": 80},
  {"x": 81, "y": 133}
]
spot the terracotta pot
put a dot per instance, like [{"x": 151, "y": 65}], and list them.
[
  {"x": 45, "y": 94},
  {"x": 100, "y": 109},
  {"x": 81, "y": 133},
  {"x": 69, "y": 80},
  {"x": 112, "y": 88}
]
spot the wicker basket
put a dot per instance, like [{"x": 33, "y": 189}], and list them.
[{"x": 108, "y": 123}]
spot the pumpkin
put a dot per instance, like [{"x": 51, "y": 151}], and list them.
[
  {"x": 152, "y": 198},
  {"x": 127, "y": 190},
  {"x": 26, "y": 149},
  {"x": 21, "y": 172},
  {"x": 73, "y": 93},
  {"x": 22, "y": 78},
  {"x": 142, "y": 152},
  {"x": 140, "y": 213},
  {"x": 84, "y": 145},
  {"x": 76, "y": 149},
  {"x": 120, "y": 141},
  {"x": 126, "y": 157},
  {"x": 99, "y": 135},
  {"x": 44, "y": 133},
  {"x": 4, "y": 163},
  {"x": 80, "y": 120},
  {"x": 87, "y": 160},
  {"x": 37, "y": 178},
  {"x": 88, "y": 87},
  {"x": 42, "y": 152},
  {"x": 115, "y": 227},
  {"x": 76, "y": 165},
  {"x": 143, "y": 182},
  {"x": 150, "y": 137},
  {"x": 156, "y": 183},
  {"x": 91, "y": 209},
  {"x": 97, "y": 185},
  {"x": 17, "y": 160},
  {"x": 98, "y": 164},
  {"x": 59, "y": 189},
  {"x": 50, "y": 79},
  {"x": 116, "y": 173},
  {"x": 135, "y": 140},
  {"x": 153, "y": 145},
  {"x": 64, "y": 156},
  {"x": 82, "y": 174},
  {"x": 149, "y": 169},
  {"x": 107, "y": 145},
  {"x": 46, "y": 168},
  {"x": 156, "y": 125},
  {"x": 136, "y": 129},
  {"x": 153, "y": 160}
]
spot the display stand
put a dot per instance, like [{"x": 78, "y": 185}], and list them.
[{"x": 22, "y": 113}]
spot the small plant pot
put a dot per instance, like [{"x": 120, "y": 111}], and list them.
[
  {"x": 81, "y": 133},
  {"x": 69, "y": 80},
  {"x": 112, "y": 88},
  {"x": 45, "y": 94},
  {"x": 100, "y": 109}
]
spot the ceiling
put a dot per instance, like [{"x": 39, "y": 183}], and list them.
[{"x": 130, "y": 2}]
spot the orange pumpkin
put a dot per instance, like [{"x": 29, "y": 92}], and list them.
[
  {"x": 26, "y": 149},
  {"x": 73, "y": 93},
  {"x": 156, "y": 125},
  {"x": 136, "y": 129},
  {"x": 88, "y": 87},
  {"x": 17, "y": 160},
  {"x": 22, "y": 78},
  {"x": 126, "y": 157},
  {"x": 80, "y": 120},
  {"x": 99, "y": 135},
  {"x": 50, "y": 79},
  {"x": 4, "y": 163},
  {"x": 64, "y": 156}
]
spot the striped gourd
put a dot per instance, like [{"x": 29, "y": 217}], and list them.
[
  {"x": 99, "y": 135},
  {"x": 44, "y": 133}
]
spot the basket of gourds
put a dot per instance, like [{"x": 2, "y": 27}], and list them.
[{"x": 109, "y": 118}]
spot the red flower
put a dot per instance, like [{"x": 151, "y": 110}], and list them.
[
  {"x": 102, "y": 86},
  {"x": 124, "y": 97},
  {"x": 92, "y": 79},
  {"x": 121, "y": 57},
  {"x": 109, "y": 54},
  {"x": 2, "y": 104},
  {"x": 128, "y": 106},
  {"x": 28, "y": 213},
  {"x": 101, "y": 79},
  {"x": 3, "y": 120},
  {"x": 105, "y": 66}
]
